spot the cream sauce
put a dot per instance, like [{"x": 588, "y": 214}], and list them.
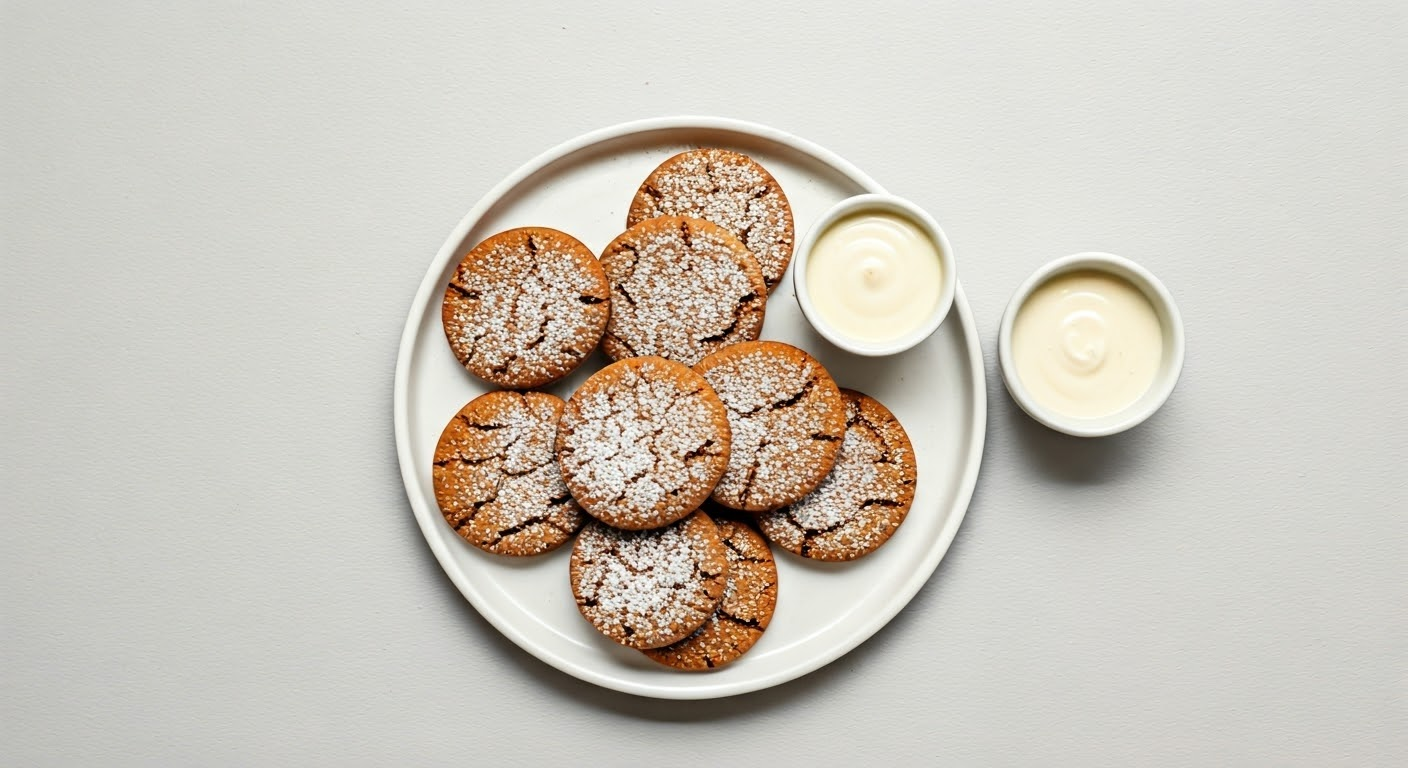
[{"x": 1086, "y": 344}]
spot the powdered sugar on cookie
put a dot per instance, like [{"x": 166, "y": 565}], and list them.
[
  {"x": 787, "y": 418},
  {"x": 728, "y": 189},
  {"x": 864, "y": 499},
  {"x": 496, "y": 479},
  {"x": 642, "y": 442},
  {"x": 742, "y": 615},
  {"x": 680, "y": 289},
  {"x": 646, "y": 589},
  {"x": 525, "y": 307}
]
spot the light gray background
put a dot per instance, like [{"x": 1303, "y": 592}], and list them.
[{"x": 215, "y": 216}]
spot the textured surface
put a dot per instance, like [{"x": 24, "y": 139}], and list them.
[
  {"x": 749, "y": 598},
  {"x": 681, "y": 288},
  {"x": 642, "y": 442},
  {"x": 647, "y": 589},
  {"x": 787, "y": 419},
  {"x": 496, "y": 477},
  {"x": 864, "y": 499},
  {"x": 729, "y": 189},
  {"x": 213, "y": 219},
  {"x": 525, "y": 307}
]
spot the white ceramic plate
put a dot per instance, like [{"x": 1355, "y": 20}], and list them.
[{"x": 583, "y": 187}]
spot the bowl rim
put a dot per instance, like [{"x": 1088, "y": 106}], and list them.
[
  {"x": 910, "y": 211},
  {"x": 1170, "y": 366}
]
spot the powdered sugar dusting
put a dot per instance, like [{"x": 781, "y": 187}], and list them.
[
  {"x": 642, "y": 441},
  {"x": 744, "y": 613},
  {"x": 787, "y": 419},
  {"x": 728, "y": 189},
  {"x": 864, "y": 499},
  {"x": 526, "y": 307},
  {"x": 496, "y": 478},
  {"x": 680, "y": 289},
  {"x": 649, "y": 588}
]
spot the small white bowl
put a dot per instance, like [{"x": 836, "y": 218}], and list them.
[
  {"x": 880, "y": 204},
  {"x": 1164, "y": 379}
]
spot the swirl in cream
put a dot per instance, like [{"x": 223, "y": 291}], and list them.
[
  {"x": 1086, "y": 344},
  {"x": 874, "y": 277}
]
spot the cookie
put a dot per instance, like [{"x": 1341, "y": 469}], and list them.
[
  {"x": 864, "y": 499},
  {"x": 496, "y": 478},
  {"x": 642, "y": 442},
  {"x": 748, "y": 602},
  {"x": 787, "y": 418},
  {"x": 680, "y": 288},
  {"x": 729, "y": 189},
  {"x": 645, "y": 589},
  {"x": 525, "y": 307}
]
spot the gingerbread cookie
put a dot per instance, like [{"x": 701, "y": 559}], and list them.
[
  {"x": 680, "y": 288},
  {"x": 642, "y": 442},
  {"x": 748, "y": 602},
  {"x": 525, "y": 307},
  {"x": 864, "y": 499},
  {"x": 729, "y": 189},
  {"x": 496, "y": 478},
  {"x": 787, "y": 419},
  {"x": 645, "y": 589}
]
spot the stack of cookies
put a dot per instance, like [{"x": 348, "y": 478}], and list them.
[{"x": 676, "y": 465}]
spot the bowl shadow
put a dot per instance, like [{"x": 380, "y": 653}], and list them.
[{"x": 1066, "y": 459}]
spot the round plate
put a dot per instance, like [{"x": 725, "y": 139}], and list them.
[{"x": 584, "y": 187}]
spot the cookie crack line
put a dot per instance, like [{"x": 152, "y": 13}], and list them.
[
  {"x": 723, "y": 335},
  {"x": 742, "y": 622},
  {"x": 463, "y": 291},
  {"x": 743, "y": 556},
  {"x": 521, "y": 527},
  {"x": 480, "y": 427},
  {"x": 477, "y": 506},
  {"x": 807, "y": 532},
  {"x": 868, "y": 503},
  {"x": 788, "y": 402},
  {"x": 462, "y": 461}
]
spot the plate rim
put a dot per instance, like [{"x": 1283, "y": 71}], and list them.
[{"x": 401, "y": 417}]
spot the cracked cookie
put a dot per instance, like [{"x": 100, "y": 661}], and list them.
[
  {"x": 642, "y": 442},
  {"x": 645, "y": 589},
  {"x": 787, "y": 419},
  {"x": 680, "y": 288},
  {"x": 525, "y": 307},
  {"x": 748, "y": 602},
  {"x": 731, "y": 190},
  {"x": 864, "y": 499},
  {"x": 496, "y": 478}
]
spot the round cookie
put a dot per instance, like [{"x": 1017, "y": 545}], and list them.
[
  {"x": 787, "y": 419},
  {"x": 731, "y": 190},
  {"x": 525, "y": 307},
  {"x": 642, "y": 442},
  {"x": 645, "y": 589},
  {"x": 680, "y": 288},
  {"x": 864, "y": 499},
  {"x": 749, "y": 599},
  {"x": 496, "y": 478}
]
